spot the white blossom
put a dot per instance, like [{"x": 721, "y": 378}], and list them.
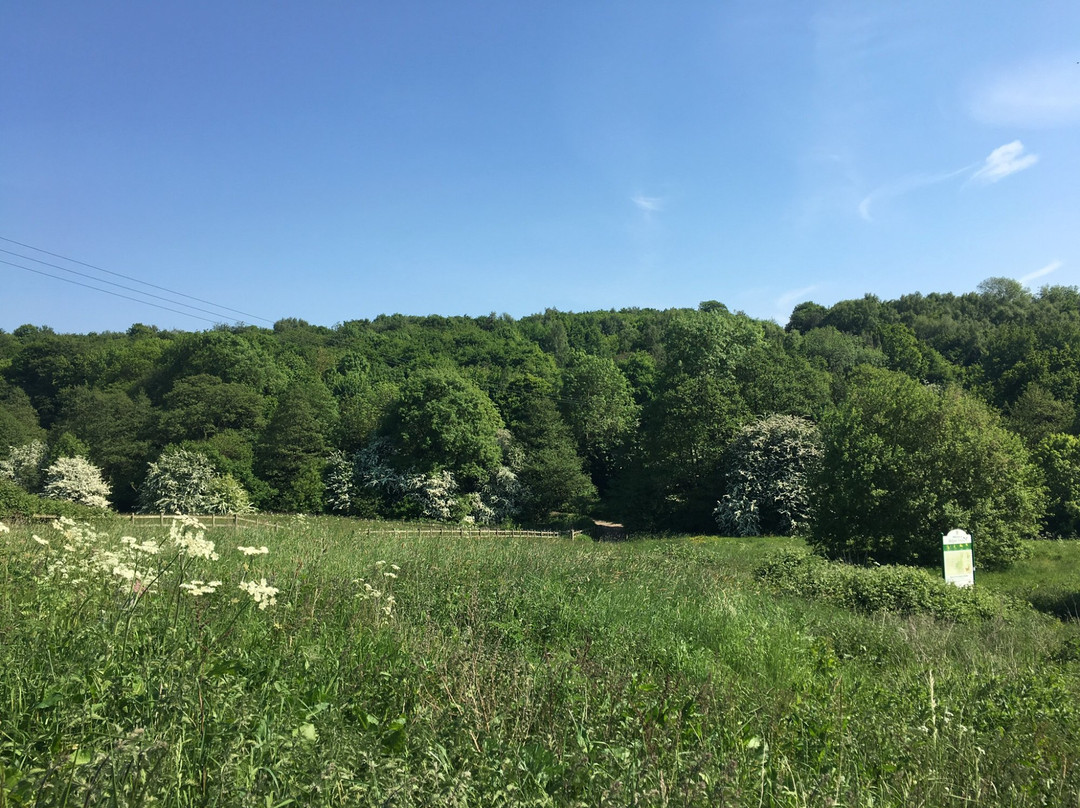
[
  {"x": 23, "y": 465},
  {"x": 76, "y": 479},
  {"x": 262, "y": 593},
  {"x": 196, "y": 588},
  {"x": 183, "y": 481},
  {"x": 188, "y": 534}
]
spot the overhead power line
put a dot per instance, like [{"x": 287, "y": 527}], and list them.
[
  {"x": 131, "y": 278},
  {"x": 108, "y": 292},
  {"x": 110, "y": 283}
]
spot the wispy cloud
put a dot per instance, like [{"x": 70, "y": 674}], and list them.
[
  {"x": 1053, "y": 266},
  {"x": 1000, "y": 163},
  {"x": 649, "y": 204},
  {"x": 794, "y": 296},
  {"x": 1038, "y": 93},
  {"x": 905, "y": 186},
  {"x": 1003, "y": 161}
]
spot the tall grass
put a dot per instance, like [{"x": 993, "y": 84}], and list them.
[{"x": 509, "y": 672}]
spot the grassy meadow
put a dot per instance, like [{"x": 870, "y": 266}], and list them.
[{"x": 351, "y": 666}]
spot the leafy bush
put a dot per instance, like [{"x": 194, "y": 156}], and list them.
[
  {"x": 768, "y": 465},
  {"x": 1059, "y": 458},
  {"x": 369, "y": 483},
  {"x": 182, "y": 481},
  {"x": 23, "y": 465},
  {"x": 14, "y": 501},
  {"x": 76, "y": 479},
  {"x": 905, "y": 590},
  {"x": 904, "y": 463}
]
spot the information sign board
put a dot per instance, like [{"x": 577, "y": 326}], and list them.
[{"x": 959, "y": 565}]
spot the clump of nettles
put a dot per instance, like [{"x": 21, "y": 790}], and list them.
[
  {"x": 892, "y": 588},
  {"x": 78, "y": 554}
]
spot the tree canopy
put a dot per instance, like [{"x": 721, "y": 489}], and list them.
[{"x": 630, "y": 414}]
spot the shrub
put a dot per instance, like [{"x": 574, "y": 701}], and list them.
[
  {"x": 900, "y": 589},
  {"x": 768, "y": 465},
  {"x": 14, "y": 501},
  {"x": 369, "y": 483},
  {"x": 904, "y": 463},
  {"x": 227, "y": 495}
]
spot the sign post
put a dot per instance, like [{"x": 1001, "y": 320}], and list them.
[{"x": 959, "y": 565}]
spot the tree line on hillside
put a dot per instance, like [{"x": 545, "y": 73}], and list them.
[{"x": 960, "y": 409}]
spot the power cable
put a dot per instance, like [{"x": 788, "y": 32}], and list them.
[
  {"x": 136, "y": 280},
  {"x": 111, "y": 283},
  {"x": 106, "y": 291}
]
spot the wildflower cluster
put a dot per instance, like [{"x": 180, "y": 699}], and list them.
[
  {"x": 381, "y": 597},
  {"x": 81, "y": 554},
  {"x": 250, "y": 551},
  {"x": 189, "y": 535},
  {"x": 196, "y": 588},
  {"x": 263, "y": 594}
]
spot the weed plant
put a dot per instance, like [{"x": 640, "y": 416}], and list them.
[{"x": 407, "y": 671}]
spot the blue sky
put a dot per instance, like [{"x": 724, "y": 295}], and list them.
[{"x": 337, "y": 160}]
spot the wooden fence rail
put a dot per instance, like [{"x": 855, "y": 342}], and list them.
[
  {"x": 366, "y": 528},
  {"x": 209, "y": 519},
  {"x": 466, "y": 532}
]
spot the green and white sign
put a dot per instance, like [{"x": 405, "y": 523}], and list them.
[{"x": 959, "y": 565}]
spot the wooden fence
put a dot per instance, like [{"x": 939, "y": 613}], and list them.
[
  {"x": 401, "y": 529},
  {"x": 210, "y": 519},
  {"x": 461, "y": 532}
]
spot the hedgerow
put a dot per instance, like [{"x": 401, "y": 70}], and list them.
[{"x": 892, "y": 588}]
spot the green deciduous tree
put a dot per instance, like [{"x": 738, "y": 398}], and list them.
[
  {"x": 597, "y": 404},
  {"x": 443, "y": 421},
  {"x": 548, "y": 466},
  {"x": 905, "y": 463},
  {"x": 118, "y": 428},
  {"x": 1059, "y": 458},
  {"x": 1037, "y": 414},
  {"x": 18, "y": 418},
  {"x": 200, "y": 406},
  {"x": 295, "y": 446}
]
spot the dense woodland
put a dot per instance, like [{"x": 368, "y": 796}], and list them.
[{"x": 634, "y": 415}]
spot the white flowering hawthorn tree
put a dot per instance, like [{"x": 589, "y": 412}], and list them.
[
  {"x": 182, "y": 481},
  {"x": 76, "y": 479},
  {"x": 23, "y": 465}
]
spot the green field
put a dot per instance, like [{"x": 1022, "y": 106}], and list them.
[{"x": 512, "y": 672}]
